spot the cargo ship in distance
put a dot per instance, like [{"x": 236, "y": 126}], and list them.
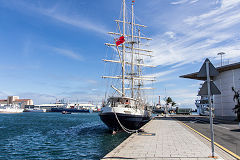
[{"x": 61, "y": 106}]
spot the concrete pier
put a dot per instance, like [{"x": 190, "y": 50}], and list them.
[{"x": 166, "y": 139}]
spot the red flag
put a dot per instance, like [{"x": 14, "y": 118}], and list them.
[{"x": 120, "y": 40}]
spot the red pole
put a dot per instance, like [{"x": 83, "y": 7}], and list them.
[{"x": 159, "y": 101}]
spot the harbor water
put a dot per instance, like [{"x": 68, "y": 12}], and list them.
[{"x": 55, "y": 136}]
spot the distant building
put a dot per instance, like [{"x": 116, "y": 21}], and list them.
[
  {"x": 15, "y": 100},
  {"x": 229, "y": 77}
]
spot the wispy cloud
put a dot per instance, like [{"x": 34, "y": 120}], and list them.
[
  {"x": 179, "y": 2},
  {"x": 193, "y": 1},
  {"x": 170, "y": 34},
  {"x": 200, "y": 36},
  {"x": 183, "y": 97},
  {"x": 79, "y": 22},
  {"x": 3, "y": 95},
  {"x": 67, "y": 53},
  {"x": 38, "y": 98},
  {"x": 162, "y": 74},
  {"x": 187, "y": 96},
  {"x": 58, "y": 14},
  {"x": 184, "y": 1}
]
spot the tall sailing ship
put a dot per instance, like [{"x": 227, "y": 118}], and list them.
[{"x": 128, "y": 110}]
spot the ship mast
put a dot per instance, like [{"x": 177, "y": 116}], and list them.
[
  {"x": 132, "y": 64},
  {"x": 134, "y": 51},
  {"x": 123, "y": 51},
  {"x": 138, "y": 67}
]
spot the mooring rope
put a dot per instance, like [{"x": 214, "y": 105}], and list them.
[{"x": 124, "y": 128}]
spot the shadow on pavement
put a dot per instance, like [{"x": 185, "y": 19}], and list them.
[
  {"x": 235, "y": 130},
  {"x": 163, "y": 118}
]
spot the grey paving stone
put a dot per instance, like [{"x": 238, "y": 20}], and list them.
[{"x": 172, "y": 141}]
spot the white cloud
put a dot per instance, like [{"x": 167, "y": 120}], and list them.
[
  {"x": 179, "y": 2},
  {"x": 54, "y": 12},
  {"x": 170, "y": 34},
  {"x": 161, "y": 76},
  {"x": 3, "y": 95},
  {"x": 183, "y": 97},
  {"x": 67, "y": 53},
  {"x": 199, "y": 37},
  {"x": 38, "y": 98},
  {"x": 163, "y": 73},
  {"x": 193, "y": 1},
  {"x": 76, "y": 21},
  {"x": 184, "y": 1}
]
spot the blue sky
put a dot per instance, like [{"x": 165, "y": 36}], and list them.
[{"x": 53, "y": 49}]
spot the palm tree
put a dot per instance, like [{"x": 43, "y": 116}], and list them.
[
  {"x": 169, "y": 100},
  {"x": 174, "y": 103},
  {"x": 236, "y": 98}
]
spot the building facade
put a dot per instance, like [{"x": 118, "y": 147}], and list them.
[
  {"x": 229, "y": 76},
  {"x": 223, "y": 103},
  {"x": 14, "y": 100}
]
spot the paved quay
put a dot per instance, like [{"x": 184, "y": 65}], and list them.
[
  {"x": 171, "y": 141},
  {"x": 227, "y": 133}
]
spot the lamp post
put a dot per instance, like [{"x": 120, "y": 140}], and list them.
[{"x": 221, "y": 54}]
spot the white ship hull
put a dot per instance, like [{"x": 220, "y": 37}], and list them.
[
  {"x": 11, "y": 110},
  {"x": 35, "y": 110}
]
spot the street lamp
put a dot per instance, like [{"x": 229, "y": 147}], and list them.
[{"x": 221, "y": 53}]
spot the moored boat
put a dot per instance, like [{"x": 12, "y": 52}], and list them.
[
  {"x": 120, "y": 114},
  {"x": 65, "y": 112},
  {"x": 34, "y": 110},
  {"x": 11, "y": 109},
  {"x": 128, "y": 110},
  {"x": 73, "y": 110}
]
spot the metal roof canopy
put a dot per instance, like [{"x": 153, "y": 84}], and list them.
[{"x": 219, "y": 69}]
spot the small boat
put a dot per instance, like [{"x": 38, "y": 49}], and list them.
[
  {"x": 65, "y": 112},
  {"x": 35, "y": 110},
  {"x": 159, "y": 110},
  {"x": 72, "y": 110}
]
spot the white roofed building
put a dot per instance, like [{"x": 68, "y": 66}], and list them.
[
  {"x": 229, "y": 76},
  {"x": 11, "y": 100}
]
